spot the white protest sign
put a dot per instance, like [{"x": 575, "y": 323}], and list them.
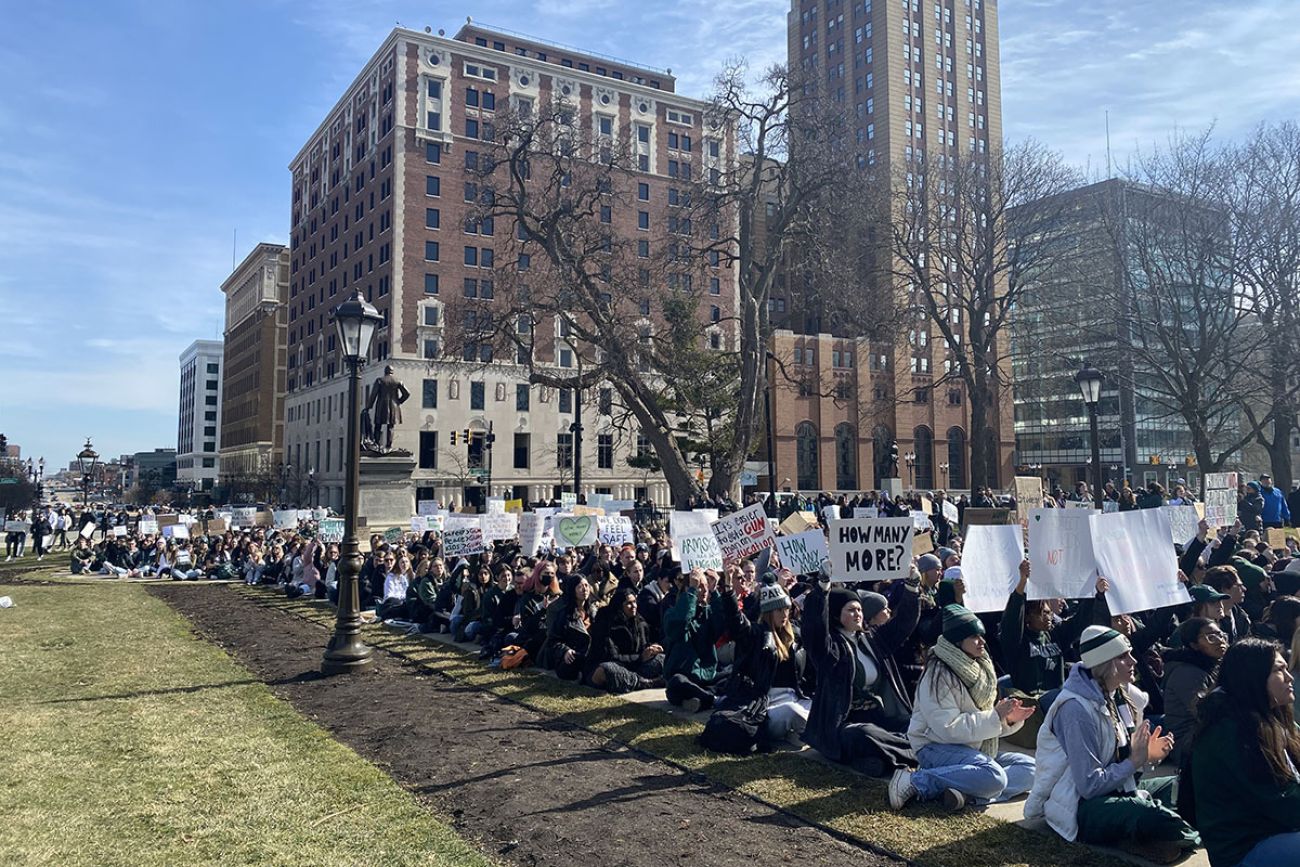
[
  {"x": 1220, "y": 499},
  {"x": 866, "y": 511},
  {"x": 1060, "y": 554},
  {"x": 575, "y": 531},
  {"x": 871, "y": 549},
  {"x": 500, "y": 525},
  {"x": 700, "y": 552},
  {"x": 86, "y": 532},
  {"x": 530, "y": 532},
  {"x": 599, "y": 501},
  {"x": 803, "y": 553},
  {"x": 119, "y": 532},
  {"x": 921, "y": 521},
  {"x": 1184, "y": 523},
  {"x": 286, "y": 519},
  {"x": 568, "y": 499},
  {"x": 419, "y": 523},
  {"x": 1080, "y": 504},
  {"x": 1135, "y": 556},
  {"x": 183, "y": 557},
  {"x": 1109, "y": 506},
  {"x": 990, "y": 565},
  {"x": 426, "y": 507},
  {"x": 434, "y": 522},
  {"x": 616, "y": 530},
  {"x": 187, "y": 519},
  {"x": 744, "y": 533},
  {"x": 243, "y": 516},
  {"x": 831, "y": 513},
  {"x": 26, "y": 526},
  {"x": 148, "y": 527},
  {"x": 176, "y": 531},
  {"x": 616, "y": 506},
  {"x": 683, "y": 524},
  {"x": 950, "y": 512},
  {"x": 496, "y": 505},
  {"x": 331, "y": 531},
  {"x": 462, "y": 535}
]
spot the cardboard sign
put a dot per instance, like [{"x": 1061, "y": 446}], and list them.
[
  {"x": 568, "y": 499},
  {"x": 592, "y": 511},
  {"x": 575, "y": 531},
  {"x": 500, "y": 525},
  {"x": 616, "y": 530},
  {"x": 1183, "y": 523},
  {"x": 331, "y": 531},
  {"x": 1029, "y": 493},
  {"x": 176, "y": 531},
  {"x": 462, "y": 538},
  {"x": 700, "y": 552},
  {"x": 1220, "y": 499},
  {"x": 1085, "y": 505},
  {"x": 830, "y": 513},
  {"x": 515, "y": 506},
  {"x": 1134, "y": 554},
  {"x": 496, "y": 505},
  {"x": 264, "y": 519},
  {"x": 927, "y": 504},
  {"x": 803, "y": 554},
  {"x": 216, "y": 527},
  {"x": 921, "y": 521},
  {"x": 426, "y": 507},
  {"x": 119, "y": 532},
  {"x": 1060, "y": 554},
  {"x": 797, "y": 523},
  {"x": 922, "y": 543},
  {"x": 985, "y": 517},
  {"x": 990, "y": 565},
  {"x": 148, "y": 527},
  {"x": 530, "y": 533},
  {"x": 286, "y": 519},
  {"x": 168, "y": 519},
  {"x": 419, "y": 523},
  {"x": 871, "y": 549},
  {"x": 951, "y": 512},
  {"x": 866, "y": 511},
  {"x": 1277, "y": 538},
  {"x": 393, "y": 535},
  {"x": 744, "y": 533}
]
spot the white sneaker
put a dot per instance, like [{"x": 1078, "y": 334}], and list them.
[{"x": 901, "y": 789}]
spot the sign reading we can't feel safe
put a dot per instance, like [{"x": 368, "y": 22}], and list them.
[{"x": 871, "y": 549}]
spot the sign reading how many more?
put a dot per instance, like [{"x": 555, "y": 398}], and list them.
[{"x": 871, "y": 549}]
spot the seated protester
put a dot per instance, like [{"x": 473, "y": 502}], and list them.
[
  {"x": 529, "y": 620},
  {"x": 1147, "y": 639},
  {"x": 568, "y": 635},
  {"x": 771, "y": 664},
  {"x": 1207, "y": 602},
  {"x": 622, "y": 658},
  {"x": 448, "y": 602},
  {"x": 911, "y": 656},
  {"x": 307, "y": 577},
  {"x": 1279, "y": 620},
  {"x": 329, "y": 571},
  {"x": 465, "y": 622},
  {"x": 500, "y": 630},
  {"x": 1235, "y": 621},
  {"x": 1189, "y": 672},
  {"x": 117, "y": 561},
  {"x": 1091, "y": 751},
  {"x": 1244, "y": 785},
  {"x": 691, "y": 629},
  {"x": 632, "y": 576},
  {"x": 957, "y": 722},
  {"x": 427, "y": 587},
  {"x": 183, "y": 567},
  {"x": 650, "y": 600},
  {"x": 81, "y": 557},
  {"x": 485, "y": 621},
  {"x": 860, "y": 709},
  {"x": 392, "y": 604}
]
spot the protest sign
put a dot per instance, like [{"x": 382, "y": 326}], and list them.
[
  {"x": 871, "y": 549},
  {"x": 831, "y": 513},
  {"x": 803, "y": 554},
  {"x": 419, "y": 523},
  {"x": 1085, "y": 505},
  {"x": 331, "y": 531},
  {"x": 744, "y": 533},
  {"x": 435, "y": 522},
  {"x": 86, "y": 532},
  {"x": 683, "y": 524},
  {"x": 176, "y": 531},
  {"x": 187, "y": 519},
  {"x": 1276, "y": 538},
  {"x": 985, "y": 517},
  {"x": 286, "y": 519},
  {"x": 599, "y": 501},
  {"x": 866, "y": 511},
  {"x": 462, "y": 536},
  {"x": 515, "y": 506},
  {"x": 1220, "y": 499},
  {"x": 148, "y": 527},
  {"x": 496, "y": 505},
  {"x": 614, "y": 507},
  {"x": 1109, "y": 506},
  {"x": 951, "y": 513},
  {"x": 615, "y": 530},
  {"x": 593, "y": 511},
  {"x": 500, "y": 525},
  {"x": 1134, "y": 555},
  {"x": 574, "y": 531},
  {"x": 530, "y": 533},
  {"x": 426, "y": 507},
  {"x": 568, "y": 499},
  {"x": 922, "y": 543},
  {"x": 393, "y": 535},
  {"x": 700, "y": 552},
  {"x": 927, "y": 504},
  {"x": 183, "y": 557},
  {"x": 921, "y": 521},
  {"x": 119, "y": 532},
  {"x": 263, "y": 519},
  {"x": 319, "y": 514},
  {"x": 798, "y": 522},
  {"x": 243, "y": 516},
  {"x": 1060, "y": 553},
  {"x": 216, "y": 527},
  {"x": 26, "y": 526},
  {"x": 990, "y": 565},
  {"x": 1029, "y": 493},
  {"x": 168, "y": 519},
  {"x": 1183, "y": 523}
]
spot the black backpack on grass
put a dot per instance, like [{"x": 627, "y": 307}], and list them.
[{"x": 738, "y": 731}]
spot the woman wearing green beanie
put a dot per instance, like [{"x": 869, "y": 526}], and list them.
[{"x": 956, "y": 723}]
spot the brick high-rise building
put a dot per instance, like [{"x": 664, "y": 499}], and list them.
[
  {"x": 257, "y": 317},
  {"x": 383, "y": 195},
  {"x": 920, "y": 81}
]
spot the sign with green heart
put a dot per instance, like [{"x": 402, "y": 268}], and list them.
[{"x": 573, "y": 531}]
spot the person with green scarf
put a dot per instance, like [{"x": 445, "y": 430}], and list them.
[{"x": 956, "y": 723}]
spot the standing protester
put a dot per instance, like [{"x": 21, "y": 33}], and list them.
[{"x": 1276, "y": 513}]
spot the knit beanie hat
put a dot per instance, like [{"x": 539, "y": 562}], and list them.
[
  {"x": 772, "y": 596},
  {"x": 944, "y": 554},
  {"x": 928, "y": 563},
  {"x": 872, "y": 604},
  {"x": 1101, "y": 644},
  {"x": 839, "y": 597},
  {"x": 946, "y": 593},
  {"x": 960, "y": 623},
  {"x": 952, "y": 573}
]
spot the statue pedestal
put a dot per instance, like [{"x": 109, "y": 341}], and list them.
[
  {"x": 387, "y": 494},
  {"x": 893, "y": 487}
]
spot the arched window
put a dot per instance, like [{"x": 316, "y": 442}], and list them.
[
  {"x": 846, "y": 458},
  {"x": 957, "y": 459},
  {"x": 805, "y": 436},
  {"x": 881, "y": 438},
  {"x": 923, "y": 444}
]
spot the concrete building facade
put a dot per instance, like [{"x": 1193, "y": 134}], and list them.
[
  {"x": 254, "y": 365},
  {"x": 198, "y": 434},
  {"x": 381, "y": 195}
]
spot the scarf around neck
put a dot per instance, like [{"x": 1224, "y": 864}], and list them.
[{"x": 977, "y": 675}]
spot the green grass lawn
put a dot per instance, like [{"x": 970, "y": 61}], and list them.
[{"x": 124, "y": 740}]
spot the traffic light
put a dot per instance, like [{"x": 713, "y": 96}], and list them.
[
  {"x": 453, "y": 438},
  {"x": 465, "y": 434}
]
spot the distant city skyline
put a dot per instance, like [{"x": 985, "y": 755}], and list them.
[{"x": 128, "y": 165}]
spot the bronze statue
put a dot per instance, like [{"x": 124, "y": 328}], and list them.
[{"x": 384, "y": 408}]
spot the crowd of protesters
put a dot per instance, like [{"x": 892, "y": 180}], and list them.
[{"x": 1057, "y": 700}]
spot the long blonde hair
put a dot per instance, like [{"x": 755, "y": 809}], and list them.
[{"x": 783, "y": 636}]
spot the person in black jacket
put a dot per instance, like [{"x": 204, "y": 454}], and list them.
[
  {"x": 568, "y": 633},
  {"x": 861, "y": 708},
  {"x": 622, "y": 658}
]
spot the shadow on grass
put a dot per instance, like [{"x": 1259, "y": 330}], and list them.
[{"x": 305, "y": 677}]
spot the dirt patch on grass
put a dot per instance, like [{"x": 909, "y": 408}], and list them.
[{"x": 533, "y": 789}]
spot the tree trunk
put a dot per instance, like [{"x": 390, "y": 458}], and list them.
[{"x": 1279, "y": 450}]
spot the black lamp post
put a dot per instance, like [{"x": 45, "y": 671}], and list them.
[
  {"x": 87, "y": 460},
  {"x": 771, "y": 435},
  {"x": 1089, "y": 380},
  {"x": 356, "y": 321}
]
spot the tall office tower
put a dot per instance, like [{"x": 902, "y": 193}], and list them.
[{"x": 198, "y": 434}]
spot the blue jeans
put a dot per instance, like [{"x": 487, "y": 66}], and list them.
[
  {"x": 957, "y": 766},
  {"x": 1276, "y": 851}
]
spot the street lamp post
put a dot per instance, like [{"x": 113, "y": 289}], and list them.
[
  {"x": 1089, "y": 380},
  {"x": 87, "y": 460},
  {"x": 356, "y": 321},
  {"x": 910, "y": 458}
]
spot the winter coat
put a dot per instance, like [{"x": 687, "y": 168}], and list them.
[
  {"x": 617, "y": 639},
  {"x": 1036, "y": 660},
  {"x": 835, "y": 660},
  {"x": 1188, "y": 675},
  {"x": 688, "y": 638},
  {"x": 1276, "y": 510},
  {"x": 758, "y": 668},
  {"x": 945, "y": 713},
  {"x": 1250, "y": 509},
  {"x": 566, "y": 632}
]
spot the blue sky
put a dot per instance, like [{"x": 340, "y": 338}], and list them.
[{"x": 135, "y": 137}]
